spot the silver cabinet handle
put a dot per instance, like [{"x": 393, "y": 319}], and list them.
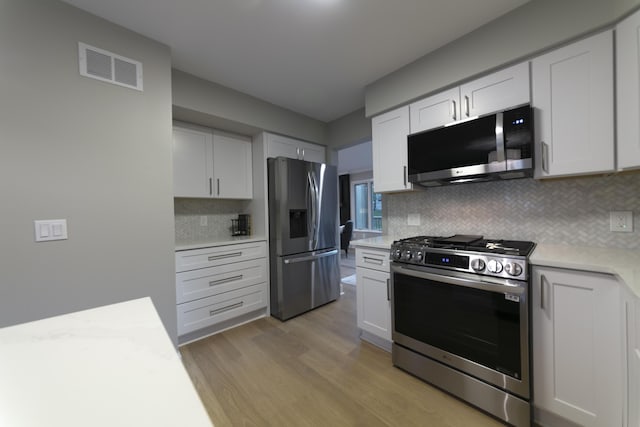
[
  {"x": 222, "y": 256},
  {"x": 218, "y": 185},
  {"x": 545, "y": 156},
  {"x": 404, "y": 175},
  {"x": 210, "y": 186},
  {"x": 373, "y": 260},
  {"x": 227, "y": 308},
  {"x": 542, "y": 280},
  {"x": 454, "y": 116},
  {"x": 225, "y": 280},
  {"x": 298, "y": 152},
  {"x": 388, "y": 298},
  {"x": 466, "y": 101},
  {"x": 303, "y": 154}
]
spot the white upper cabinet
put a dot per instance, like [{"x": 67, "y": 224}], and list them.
[
  {"x": 283, "y": 146},
  {"x": 498, "y": 91},
  {"x": 389, "y": 133},
  {"x": 232, "y": 166},
  {"x": 435, "y": 111},
  {"x": 628, "y": 91},
  {"x": 192, "y": 162},
  {"x": 572, "y": 91},
  {"x": 211, "y": 164},
  {"x": 495, "y": 92}
]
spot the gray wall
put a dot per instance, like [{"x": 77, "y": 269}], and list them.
[
  {"x": 203, "y": 102},
  {"x": 531, "y": 28},
  {"x": 96, "y": 154},
  {"x": 351, "y": 129}
]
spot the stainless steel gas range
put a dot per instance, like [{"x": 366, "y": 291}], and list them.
[{"x": 460, "y": 318}]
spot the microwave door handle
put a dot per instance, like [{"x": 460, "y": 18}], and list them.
[{"x": 500, "y": 148}]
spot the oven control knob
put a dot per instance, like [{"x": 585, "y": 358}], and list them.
[
  {"x": 407, "y": 255},
  {"x": 477, "y": 264},
  {"x": 397, "y": 253},
  {"x": 494, "y": 266},
  {"x": 513, "y": 269},
  {"x": 418, "y": 256}
]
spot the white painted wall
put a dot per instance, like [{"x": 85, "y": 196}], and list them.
[{"x": 96, "y": 154}]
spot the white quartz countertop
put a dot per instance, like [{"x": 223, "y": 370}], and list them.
[
  {"x": 185, "y": 246},
  {"x": 378, "y": 242},
  {"x": 622, "y": 263},
  {"x": 109, "y": 366}
]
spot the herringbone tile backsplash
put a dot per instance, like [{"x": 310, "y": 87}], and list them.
[
  {"x": 571, "y": 211},
  {"x": 219, "y": 213}
]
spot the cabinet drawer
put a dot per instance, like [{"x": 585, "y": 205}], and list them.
[
  {"x": 372, "y": 258},
  {"x": 208, "y": 311},
  {"x": 205, "y": 282},
  {"x": 219, "y": 255}
]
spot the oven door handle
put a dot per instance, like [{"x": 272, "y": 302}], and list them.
[{"x": 457, "y": 281}]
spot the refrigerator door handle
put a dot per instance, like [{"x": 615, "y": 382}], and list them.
[
  {"x": 312, "y": 257},
  {"x": 313, "y": 192}
]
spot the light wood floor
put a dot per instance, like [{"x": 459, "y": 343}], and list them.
[{"x": 314, "y": 371}]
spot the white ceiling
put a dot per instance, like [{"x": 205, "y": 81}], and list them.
[{"x": 311, "y": 56}]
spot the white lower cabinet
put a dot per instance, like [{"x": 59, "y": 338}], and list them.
[
  {"x": 216, "y": 285},
  {"x": 633, "y": 361},
  {"x": 578, "y": 346},
  {"x": 372, "y": 295}
]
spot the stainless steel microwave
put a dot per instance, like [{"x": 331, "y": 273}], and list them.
[{"x": 492, "y": 147}]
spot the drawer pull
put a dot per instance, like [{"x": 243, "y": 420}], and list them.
[
  {"x": 373, "y": 260},
  {"x": 222, "y": 256},
  {"x": 227, "y": 308},
  {"x": 225, "y": 280}
]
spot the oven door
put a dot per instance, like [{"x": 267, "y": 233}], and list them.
[{"x": 477, "y": 325}]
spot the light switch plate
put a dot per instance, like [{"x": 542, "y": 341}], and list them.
[
  {"x": 50, "y": 229},
  {"x": 621, "y": 221}
]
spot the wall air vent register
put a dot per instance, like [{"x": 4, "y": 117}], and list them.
[{"x": 109, "y": 67}]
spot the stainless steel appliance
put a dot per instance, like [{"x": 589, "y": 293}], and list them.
[
  {"x": 303, "y": 235},
  {"x": 496, "y": 146},
  {"x": 460, "y": 318}
]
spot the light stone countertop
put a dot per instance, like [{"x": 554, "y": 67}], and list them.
[
  {"x": 185, "y": 246},
  {"x": 109, "y": 366},
  {"x": 379, "y": 242},
  {"x": 622, "y": 263}
]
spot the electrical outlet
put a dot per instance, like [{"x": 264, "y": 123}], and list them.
[
  {"x": 413, "y": 219},
  {"x": 203, "y": 221},
  {"x": 621, "y": 221}
]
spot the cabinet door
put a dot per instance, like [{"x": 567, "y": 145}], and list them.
[
  {"x": 389, "y": 144},
  {"x": 498, "y": 91},
  {"x": 232, "y": 171},
  {"x": 633, "y": 361},
  {"x": 577, "y": 346},
  {"x": 312, "y": 152},
  {"x": 435, "y": 111},
  {"x": 373, "y": 309},
  {"x": 573, "y": 101},
  {"x": 628, "y": 91},
  {"x": 192, "y": 163}
]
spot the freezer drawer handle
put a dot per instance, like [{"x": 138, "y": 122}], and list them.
[
  {"x": 310, "y": 257},
  {"x": 373, "y": 260},
  {"x": 215, "y": 257},
  {"x": 227, "y": 308},
  {"x": 225, "y": 280}
]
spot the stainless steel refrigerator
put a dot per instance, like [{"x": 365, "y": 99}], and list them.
[{"x": 303, "y": 236}]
